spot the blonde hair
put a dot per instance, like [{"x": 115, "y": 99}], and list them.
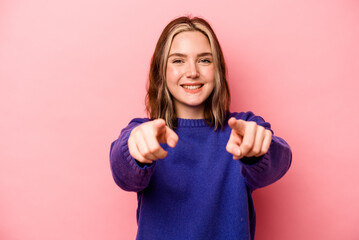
[{"x": 159, "y": 102}]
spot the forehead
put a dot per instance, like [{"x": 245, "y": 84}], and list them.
[{"x": 190, "y": 41}]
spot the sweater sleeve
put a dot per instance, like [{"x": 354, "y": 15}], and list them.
[
  {"x": 264, "y": 170},
  {"x": 126, "y": 171}
]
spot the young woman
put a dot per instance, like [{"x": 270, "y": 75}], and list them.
[{"x": 193, "y": 163}]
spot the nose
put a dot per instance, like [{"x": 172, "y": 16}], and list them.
[{"x": 192, "y": 71}]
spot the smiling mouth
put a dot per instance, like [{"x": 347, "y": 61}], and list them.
[{"x": 192, "y": 87}]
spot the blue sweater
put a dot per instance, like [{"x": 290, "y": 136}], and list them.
[{"x": 198, "y": 191}]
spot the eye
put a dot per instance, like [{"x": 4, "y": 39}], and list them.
[
  {"x": 205, "y": 60},
  {"x": 177, "y": 61}
]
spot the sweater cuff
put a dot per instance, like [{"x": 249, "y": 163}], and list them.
[
  {"x": 256, "y": 164},
  {"x": 140, "y": 168},
  {"x": 250, "y": 160}
]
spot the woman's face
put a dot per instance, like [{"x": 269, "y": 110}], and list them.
[{"x": 190, "y": 73}]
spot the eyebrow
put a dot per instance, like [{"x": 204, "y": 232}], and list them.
[{"x": 184, "y": 55}]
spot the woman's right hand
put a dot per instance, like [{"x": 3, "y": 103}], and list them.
[{"x": 144, "y": 141}]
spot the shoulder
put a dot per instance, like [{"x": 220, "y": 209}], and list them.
[
  {"x": 138, "y": 121},
  {"x": 134, "y": 123},
  {"x": 250, "y": 116},
  {"x": 247, "y": 116}
]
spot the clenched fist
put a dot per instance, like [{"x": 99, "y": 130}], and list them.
[
  {"x": 247, "y": 139},
  {"x": 144, "y": 141}
]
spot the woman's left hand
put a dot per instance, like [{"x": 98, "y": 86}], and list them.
[{"x": 248, "y": 139}]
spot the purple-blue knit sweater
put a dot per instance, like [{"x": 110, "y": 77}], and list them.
[{"x": 198, "y": 191}]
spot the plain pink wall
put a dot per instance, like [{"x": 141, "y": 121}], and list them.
[{"x": 73, "y": 74}]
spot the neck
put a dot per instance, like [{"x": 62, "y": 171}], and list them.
[{"x": 190, "y": 113}]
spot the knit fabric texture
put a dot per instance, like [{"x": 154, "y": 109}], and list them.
[{"x": 198, "y": 191}]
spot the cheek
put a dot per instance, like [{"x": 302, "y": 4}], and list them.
[
  {"x": 172, "y": 73},
  {"x": 208, "y": 73}
]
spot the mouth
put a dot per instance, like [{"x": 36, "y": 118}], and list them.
[{"x": 192, "y": 86}]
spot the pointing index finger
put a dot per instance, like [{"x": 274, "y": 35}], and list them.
[
  {"x": 159, "y": 124},
  {"x": 237, "y": 125},
  {"x": 164, "y": 133},
  {"x": 171, "y": 137}
]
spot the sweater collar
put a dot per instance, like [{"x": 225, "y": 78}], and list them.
[{"x": 182, "y": 122}]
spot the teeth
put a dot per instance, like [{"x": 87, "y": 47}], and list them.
[{"x": 192, "y": 87}]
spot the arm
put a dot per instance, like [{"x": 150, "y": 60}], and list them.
[
  {"x": 265, "y": 158},
  {"x": 126, "y": 171},
  {"x": 267, "y": 168},
  {"x": 133, "y": 155}
]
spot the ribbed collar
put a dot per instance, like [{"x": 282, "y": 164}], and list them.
[{"x": 181, "y": 122}]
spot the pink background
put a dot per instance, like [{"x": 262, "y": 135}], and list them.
[{"x": 73, "y": 74}]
